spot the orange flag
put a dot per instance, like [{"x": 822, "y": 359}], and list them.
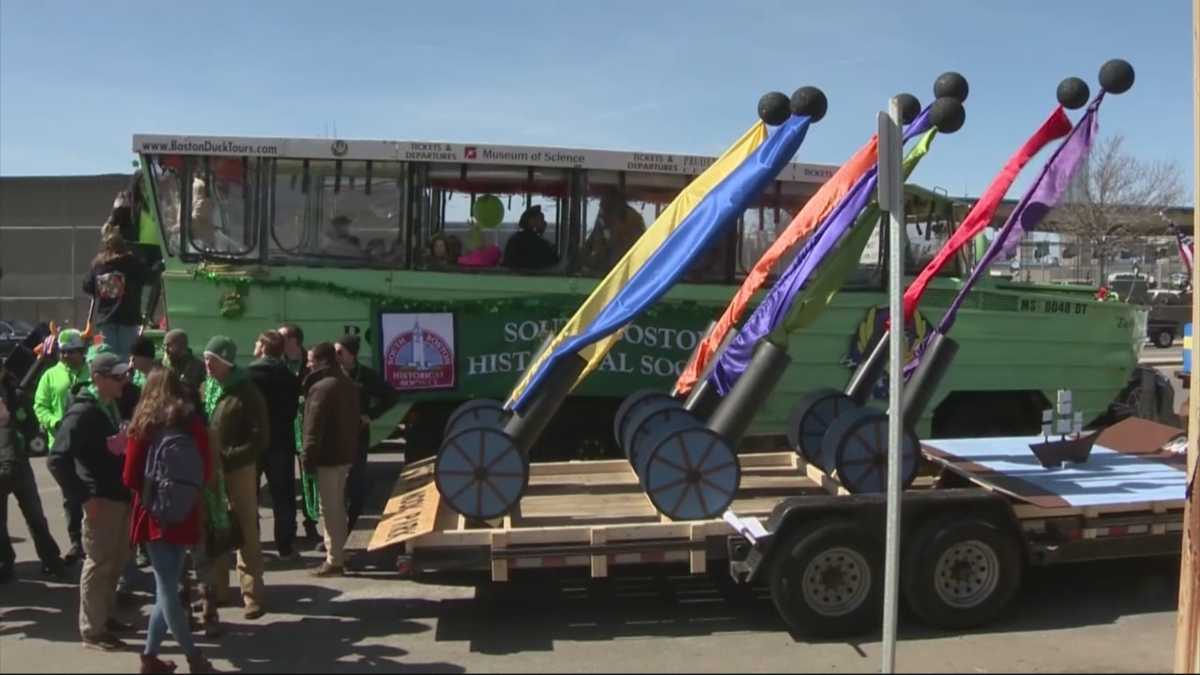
[{"x": 813, "y": 213}]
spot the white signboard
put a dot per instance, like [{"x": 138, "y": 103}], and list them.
[{"x": 418, "y": 350}]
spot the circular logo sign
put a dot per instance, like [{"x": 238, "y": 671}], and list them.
[
  {"x": 419, "y": 359},
  {"x": 340, "y": 148}
]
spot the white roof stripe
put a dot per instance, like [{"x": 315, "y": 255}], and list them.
[{"x": 465, "y": 153}]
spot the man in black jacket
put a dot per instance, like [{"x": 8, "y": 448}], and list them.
[
  {"x": 281, "y": 389},
  {"x": 91, "y": 432},
  {"x": 17, "y": 479},
  {"x": 375, "y": 398}
]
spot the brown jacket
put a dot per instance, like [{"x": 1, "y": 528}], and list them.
[{"x": 332, "y": 418}]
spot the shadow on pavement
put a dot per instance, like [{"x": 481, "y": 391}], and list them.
[{"x": 531, "y": 616}]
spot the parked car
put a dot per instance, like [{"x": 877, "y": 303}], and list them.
[
  {"x": 1169, "y": 311},
  {"x": 12, "y": 333}
]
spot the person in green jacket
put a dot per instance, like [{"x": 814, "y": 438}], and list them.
[
  {"x": 49, "y": 405},
  {"x": 54, "y": 386},
  {"x": 296, "y": 358},
  {"x": 239, "y": 431}
]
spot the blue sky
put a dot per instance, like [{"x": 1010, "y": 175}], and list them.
[{"x": 77, "y": 79}]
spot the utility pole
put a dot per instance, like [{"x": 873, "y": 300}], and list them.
[{"x": 1187, "y": 636}]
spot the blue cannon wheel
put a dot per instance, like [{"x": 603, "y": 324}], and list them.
[
  {"x": 479, "y": 412},
  {"x": 857, "y": 442},
  {"x": 639, "y": 413},
  {"x": 634, "y": 402},
  {"x": 812, "y": 415},
  {"x": 650, "y": 431},
  {"x": 481, "y": 473},
  {"x": 692, "y": 475}
]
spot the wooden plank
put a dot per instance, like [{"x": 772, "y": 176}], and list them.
[
  {"x": 825, "y": 481},
  {"x": 697, "y": 559},
  {"x": 416, "y": 516},
  {"x": 599, "y": 561},
  {"x": 499, "y": 541},
  {"x": 413, "y": 477}
]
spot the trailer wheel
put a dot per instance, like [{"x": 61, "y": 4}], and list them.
[
  {"x": 960, "y": 572},
  {"x": 827, "y": 581},
  {"x": 1164, "y": 338}
]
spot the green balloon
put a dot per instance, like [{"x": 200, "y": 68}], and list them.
[{"x": 488, "y": 211}]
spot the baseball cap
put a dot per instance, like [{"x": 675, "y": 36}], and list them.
[
  {"x": 70, "y": 340},
  {"x": 109, "y": 364}
]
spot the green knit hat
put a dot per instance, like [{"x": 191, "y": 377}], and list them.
[
  {"x": 96, "y": 350},
  {"x": 222, "y": 348}
]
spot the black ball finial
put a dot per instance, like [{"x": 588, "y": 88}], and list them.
[
  {"x": 947, "y": 115},
  {"x": 1073, "y": 93},
  {"x": 909, "y": 106},
  {"x": 951, "y": 84},
  {"x": 809, "y": 101},
  {"x": 773, "y": 108},
  {"x": 1116, "y": 76}
]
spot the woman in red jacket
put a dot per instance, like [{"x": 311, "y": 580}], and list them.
[{"x": 164, "y": 407}]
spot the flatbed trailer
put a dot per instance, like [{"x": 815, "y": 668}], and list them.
[{"x": 977, "y": 517}]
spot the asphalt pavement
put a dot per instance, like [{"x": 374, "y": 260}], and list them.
[{"x": 1111, "y": 617}]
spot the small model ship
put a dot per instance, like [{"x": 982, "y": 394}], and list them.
[{"x": 1072, "y": 445}]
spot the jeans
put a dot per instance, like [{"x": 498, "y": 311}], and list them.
[
  {"x": 279, "y": 465},
  {"x": 62, "y": 468},
  {"x": 119, "y": 338},
  {"x": 356, "y": 487},
  {"x": 167, "y": 561},
  {"x": 23, "y": 486}
]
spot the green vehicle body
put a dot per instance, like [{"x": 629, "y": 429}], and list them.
[{"x": 1019, "y": 343}]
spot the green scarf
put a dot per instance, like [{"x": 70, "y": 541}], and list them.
[
  {"x": 214, "y": 391},
  {"x": 109, "y": 408}
]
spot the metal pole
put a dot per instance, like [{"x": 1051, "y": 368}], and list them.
[{"x": 891, "y": 198}]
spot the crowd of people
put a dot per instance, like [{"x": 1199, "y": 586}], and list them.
[{"x": 160, "y": 460}]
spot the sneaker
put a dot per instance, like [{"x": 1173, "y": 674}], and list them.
[
  {"x": 55, "y": 569},
  {"x": 74, "y": 555},
  {"x": 153, "y": 664},
  {"x": 289, "y": 555},
  {"x": 105, "y": 642},
  {"x": 118, "y": 626},
  {"x": 254, "y": 612},
  {"x": 200, "y": 664},
  {"x": 327, "y": 570}
]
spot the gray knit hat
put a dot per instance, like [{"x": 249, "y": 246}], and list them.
[{"x": 222, "y": 348}]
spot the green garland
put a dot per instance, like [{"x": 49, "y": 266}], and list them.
[{"x": 232, "y": 304}]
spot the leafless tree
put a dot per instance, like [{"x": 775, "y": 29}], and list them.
[{"x": 1115, "y": 199}]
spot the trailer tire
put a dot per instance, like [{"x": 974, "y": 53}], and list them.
[
  {"x": 960, "y": 572},
  {"x": 827, "y": 580}
]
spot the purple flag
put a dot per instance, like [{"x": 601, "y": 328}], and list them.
[
  {"x": 1045, "y": 194},
  {"x": 736, "y": 356}
]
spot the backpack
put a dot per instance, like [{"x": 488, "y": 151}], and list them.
[{"x": 174, "y": 477}]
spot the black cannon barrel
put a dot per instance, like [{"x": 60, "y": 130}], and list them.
[
  {"x": 525, "y": 428},
  {"x": 703, "y": 399},
  {"x": 734, "y": 413},
  {"x": 869, "y": 371},
  {"x": 939, "y": 353}
]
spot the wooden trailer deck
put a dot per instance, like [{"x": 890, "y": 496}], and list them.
[{"x": 594, "y": 513}]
